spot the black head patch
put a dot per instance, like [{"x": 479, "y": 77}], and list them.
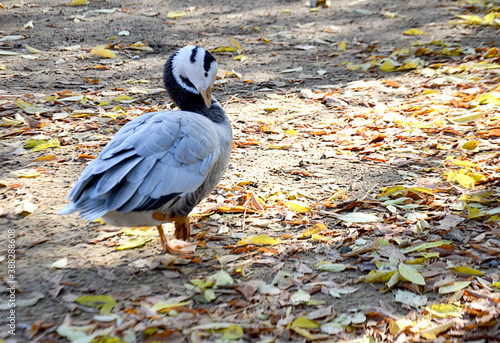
[
  {"x": 192, "y": 58},
  {"x": 207, "y": 61}
]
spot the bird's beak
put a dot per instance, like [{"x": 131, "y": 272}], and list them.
[{"x": 207, "y": 96}]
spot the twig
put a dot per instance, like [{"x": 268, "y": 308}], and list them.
[{"x": 229, "y": 100}]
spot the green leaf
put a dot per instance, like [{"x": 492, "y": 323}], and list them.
[
  {"x": 411, "y": 274},
  {"x": 104, "y": 302}
]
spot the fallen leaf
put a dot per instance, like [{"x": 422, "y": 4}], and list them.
[
  {"x": 411, "y": 274},
  {"x": 59, "y": 264},
  {"x": 175, "y": 14},
  {"x": 414, "y": 32},
  {"x": 300, "y": 297},
  {"x": 293, "y": 70},
  {"x": 104, "y": 302},
  {"x": 101, "y": 50},
  {"x": 79, "y": 2},
  {"x": 457, "y": 286}
]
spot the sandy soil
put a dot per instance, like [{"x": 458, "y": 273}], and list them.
[{"x": 97, "y": 268}]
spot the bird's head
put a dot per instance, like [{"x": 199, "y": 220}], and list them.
[{"x": 193, "y": 70}]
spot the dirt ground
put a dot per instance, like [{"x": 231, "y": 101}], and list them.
[{"x": 275, "y": 35}]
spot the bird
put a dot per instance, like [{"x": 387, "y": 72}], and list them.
[{"x": 160, "y": 165}]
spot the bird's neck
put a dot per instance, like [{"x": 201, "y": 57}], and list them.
[{"x": 189, "y": 101}]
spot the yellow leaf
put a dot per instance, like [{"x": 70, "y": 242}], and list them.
[
  {"x": 396, "y": 326},
  {"x": 432, "y": 332},
  {"x": 265, "y": 240},
  {"x": 464, "y": 180},
  {"x": 304, "y": 332},
  {"x": 42, "y": 144},
  {"x": 100, "y": 50},
  {"x": 260, "y": 240},
  {"x": 387, "y": 66},
  {"x": 467, "y": 270},
  {"x": 474, "y": 19},
  {"x": 317, "y": 228},
  {"x": 495, "y": 218},
  {"x": 175, "y": 14},
  {"x": 414, "y": 32},
  {"x": 33, "y": 50},
  {"x": 418, "y": 190},
  {"x": 489, "y": 17},
  {"x": 429, "y": 91},
  {"x": 166, "y": 306},
  {"x": 444, "y": 310},
  {"x": 341, "y": 46},
  {"x": 242, "y": 58},
  {"x": 394, "y": 190},
  {"x": 471, "y": 145},
  {"x": 379, "y": 276},
  {"x": 141, "y": 46},
  {"x": 319, "y": 238},
  {"x": 25, "y": 173},
  {"x": 124, "y": 99},
  {"x": 304, "y": 323},
  {"x": 236, "y": 45},
  {"x": 233, "y": 332},
  {"x": 474, "y": 213},
  {"x": 135, "y": 242},
  {"x": 105, "y": 302},
  {"x": 79, "y": 3},
  {"x": 467, "y": 118},
  {"x": 463, "y": 163},
  {"x": 224, "y": 49},
  {"x": 297, "y": 207}
]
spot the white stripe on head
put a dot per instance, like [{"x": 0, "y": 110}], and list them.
[{"x": 194, "y": 68}]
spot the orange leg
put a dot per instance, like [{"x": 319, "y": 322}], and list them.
[
  {"x": 182, "y": 227},
  {"x": 164, "y": 243}
]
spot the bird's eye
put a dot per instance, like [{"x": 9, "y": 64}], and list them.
[{"x": 206, "y": 74}]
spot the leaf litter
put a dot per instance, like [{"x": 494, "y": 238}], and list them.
[{"x": 428, "y": 239}]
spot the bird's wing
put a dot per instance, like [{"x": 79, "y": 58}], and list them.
[{"x": 151, "y": 160}]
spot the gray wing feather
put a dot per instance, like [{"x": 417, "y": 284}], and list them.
[{"x": 151, "y": 157}]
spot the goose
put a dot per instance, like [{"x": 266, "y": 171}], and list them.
[{"x": 160, "y": 165}]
